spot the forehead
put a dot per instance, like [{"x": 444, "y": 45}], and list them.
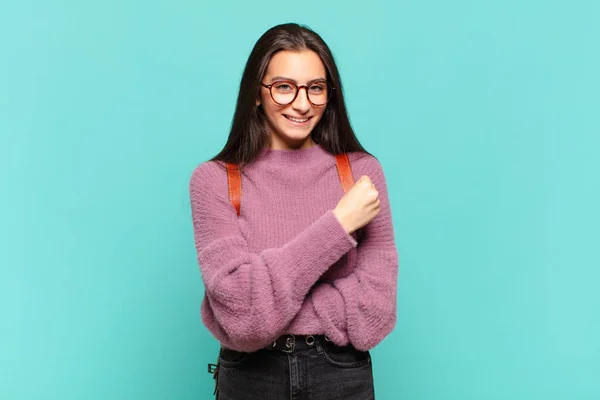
[{"x": 298, "y": 65}]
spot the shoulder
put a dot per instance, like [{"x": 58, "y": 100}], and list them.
[
  {"x": 365, "y": 164},
  {"x": 209, "y": 177},
  {"x": 210, "y": 170}
]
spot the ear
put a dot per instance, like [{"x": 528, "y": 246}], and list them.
[{"x": 259, "y": 97}]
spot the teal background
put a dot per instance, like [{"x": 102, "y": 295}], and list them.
[{"x": 485, "y": 116}]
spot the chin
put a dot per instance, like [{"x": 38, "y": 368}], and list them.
[{"x": 296, "y": 136}]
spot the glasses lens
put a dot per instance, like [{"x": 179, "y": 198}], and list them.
[
  {"x": 283, "y": 92},
  {"x": 318, "y": 93}
]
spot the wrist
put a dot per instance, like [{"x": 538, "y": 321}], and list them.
[{"x": 343, "y": 221}]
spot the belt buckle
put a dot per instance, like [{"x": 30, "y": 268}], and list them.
[{"x": 290, "y": 343}]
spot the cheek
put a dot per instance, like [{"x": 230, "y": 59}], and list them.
[
  {"x": 270, "y": 109},
  {"x": 319, "y": 113}
]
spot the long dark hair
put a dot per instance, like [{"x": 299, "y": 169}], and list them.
[{"x": 248, "y": 136}]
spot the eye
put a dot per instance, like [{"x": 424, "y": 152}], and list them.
[
  {"x": 317, "y": 88},
  {"x": 283, "y": 87}
]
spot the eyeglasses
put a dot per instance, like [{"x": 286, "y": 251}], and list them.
[{"x": 285, "y": 92}]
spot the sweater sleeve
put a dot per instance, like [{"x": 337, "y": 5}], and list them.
[
  {"x": 361, "y": 308},
  {"x": 251, "y": 297}
]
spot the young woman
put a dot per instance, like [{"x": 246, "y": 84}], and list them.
[{"x": 300, "y": 280}]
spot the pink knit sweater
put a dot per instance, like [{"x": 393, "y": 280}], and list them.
[{"x": 286, "y": 265}]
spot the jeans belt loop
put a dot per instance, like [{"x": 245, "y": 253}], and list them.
[{"x": 319, "y": 346}]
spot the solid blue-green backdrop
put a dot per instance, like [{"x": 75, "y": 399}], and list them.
[{"x": 485, "y": 116}]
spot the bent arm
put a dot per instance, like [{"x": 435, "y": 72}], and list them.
[
  {"x": 252, "y": 297},
  {"x": 361, "y": 308}
]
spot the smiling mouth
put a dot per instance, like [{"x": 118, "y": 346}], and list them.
[{"x": 297, "y": 120}]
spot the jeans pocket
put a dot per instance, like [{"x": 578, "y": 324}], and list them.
[
  {"x": 230, "y": 358},
  {"x": 345, "y": 357}
]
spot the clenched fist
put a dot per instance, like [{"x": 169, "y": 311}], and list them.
[{"x": 359, "y": 206}]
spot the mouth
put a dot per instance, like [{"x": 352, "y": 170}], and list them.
[{"x": 297, "y": 121}]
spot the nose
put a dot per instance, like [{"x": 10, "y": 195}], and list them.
[{"x": 301, "y": 103}]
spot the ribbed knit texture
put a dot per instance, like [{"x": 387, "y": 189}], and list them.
[{"x": 286, "y": 265}]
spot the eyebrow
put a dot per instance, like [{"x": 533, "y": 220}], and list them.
[{"x": 283, "y": 78}]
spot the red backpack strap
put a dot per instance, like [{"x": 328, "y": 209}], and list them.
[
  {"x": 234, "y": 179},
  {"x": 234, "y": 182},
  {"x": 342, "y": 162}
]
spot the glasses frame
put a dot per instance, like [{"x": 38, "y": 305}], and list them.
[{"x": 298, "y": 87}]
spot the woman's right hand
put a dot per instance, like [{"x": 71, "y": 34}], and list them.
[{"x": 359, "y": 206}]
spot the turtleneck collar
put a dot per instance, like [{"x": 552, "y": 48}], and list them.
[
  {"x": 291, "y": 167},
  {"x": 306, "y": 155}
]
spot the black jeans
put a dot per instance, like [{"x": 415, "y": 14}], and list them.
[{"x": 321, "y": 371}]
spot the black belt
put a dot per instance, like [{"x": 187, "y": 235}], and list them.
[{"x": 291, "y": 343}]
